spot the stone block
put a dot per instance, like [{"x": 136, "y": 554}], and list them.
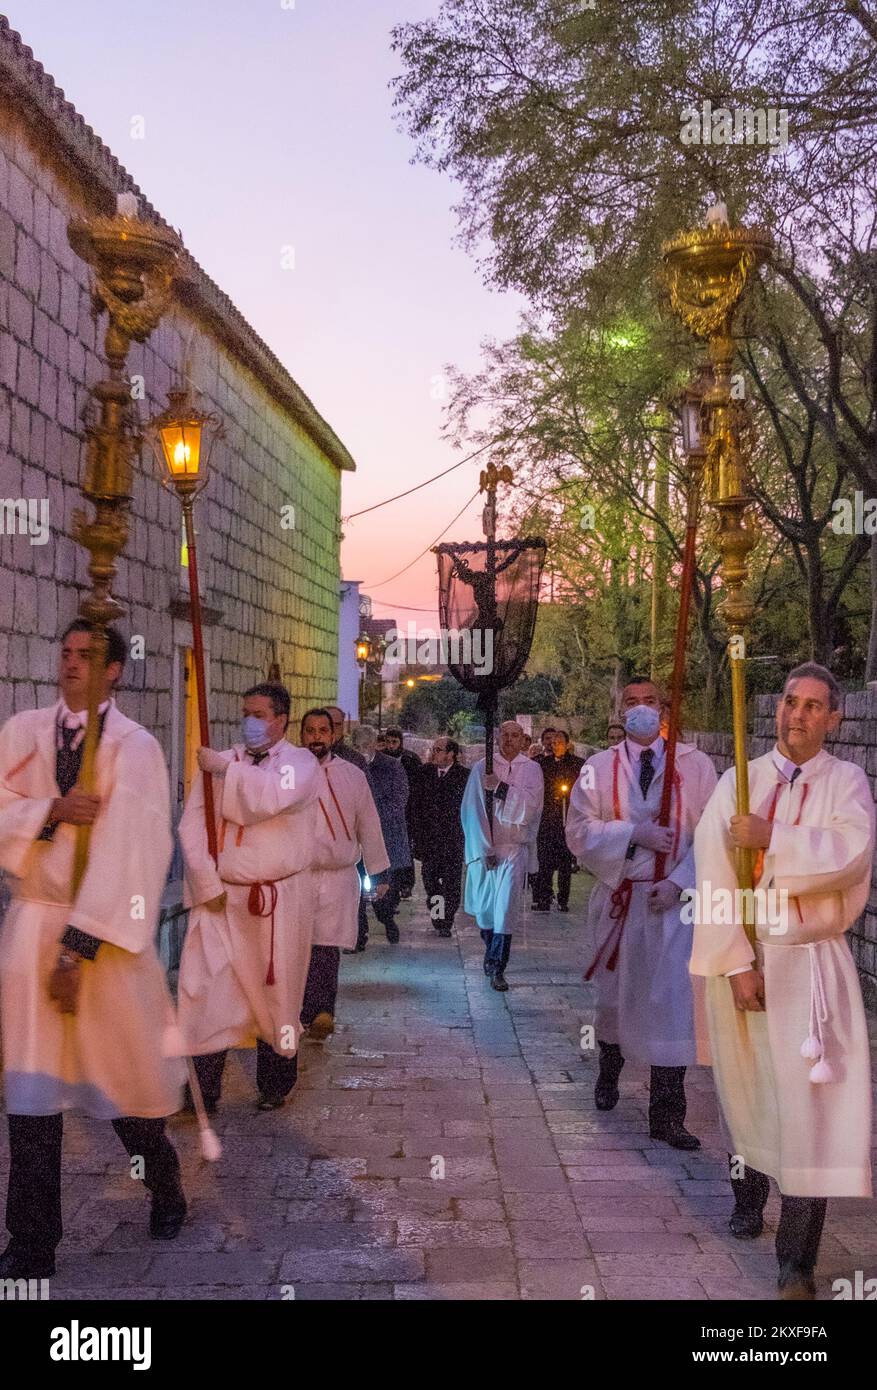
[
  {"x": 25, "y": 610},
  {"x": 20, "y": 205}
]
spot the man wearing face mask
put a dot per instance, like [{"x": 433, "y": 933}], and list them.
[
  {"x": 500, "y": 854},
  {"x": 248, "y": 946},
  {"x": 640, "y": 966}
]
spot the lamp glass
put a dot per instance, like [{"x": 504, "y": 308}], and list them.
[
  {"x": 181, "y": 443},
  {"x": 691, "y": 436}
]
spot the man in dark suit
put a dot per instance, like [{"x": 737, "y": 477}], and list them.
[
  {"x": 413, "y": 768},
  {"x": 438, "y": 834},
  {"x": 340, "y": 747},
  {"x": 560, "y": 771},
  {"x": 389, "y": 787}
]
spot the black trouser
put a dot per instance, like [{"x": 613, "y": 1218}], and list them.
[
  {"x": 801, "y": 1218},
  {"x": 552, "y": 857},
  {"x": 33, "y": 1202},
  {"x": 321, "y": 989},
  {"x": 384, "y": 908},
  {"x": 666, "y": 1086},
  {"x": 275, "y": 1074},
  {"x": 406, "y": 879},
  {"x": 443, "y": 878}
]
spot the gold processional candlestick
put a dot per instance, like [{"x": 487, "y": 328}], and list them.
[
  {"x": 707, "y": 271},
  {"x": 133, "y": 262}
]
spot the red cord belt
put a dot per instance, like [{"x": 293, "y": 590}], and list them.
[
  {"x": 262, "y": 902},
  {"x": 620, "y": 900}
]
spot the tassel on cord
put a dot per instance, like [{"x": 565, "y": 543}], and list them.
[{"x": 813, "y": 1046}]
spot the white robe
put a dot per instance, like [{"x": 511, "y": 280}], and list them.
[
  {"x": 495, "y": 897},
  {"x": 348, "y": 829},
  {"x": 266, "y": 818},
  {"x": 107, "y": 1059},
  {"x": 646, "y": 1003},
  {"x": 813, "y": 1139}
]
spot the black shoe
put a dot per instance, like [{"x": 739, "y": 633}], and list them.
[
  {"x": 795, "y": 1284},
  {"x": 499, "y": 981},
  {"x": 406, "y": 893},
  {"x": 605, "y": 1094},
  {"x": 393, "y": 935},
  {"x": 361, "y": 945},
  {"x": 443, "y": 931},
  {"x": 270, "y": 1102},
  {"x": 675, "y": 1134},
  {"x": 746, "y": 1225},
  {"x": 606, "y": 1088},
  {"x": 168, "y": 1213},
  {"x": 18, "y": 1263}
]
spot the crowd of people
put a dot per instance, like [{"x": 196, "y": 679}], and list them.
[{"x": 308, "y": 839}]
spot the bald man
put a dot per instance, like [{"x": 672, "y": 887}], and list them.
[{"x": 499, "y": 856}]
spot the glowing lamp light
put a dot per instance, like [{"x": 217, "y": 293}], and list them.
[
  {"x": 410, "y": 683},
  {"x": 363, "y": 649},
  {"x": 182, "y": 438}
]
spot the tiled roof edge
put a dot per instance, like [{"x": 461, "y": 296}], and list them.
[{"x": 39, "y": 94}]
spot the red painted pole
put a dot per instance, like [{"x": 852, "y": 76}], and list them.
[{"x": 678, "y": 681}]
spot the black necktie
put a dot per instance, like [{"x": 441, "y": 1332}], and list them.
[
  {"x": 646, "y": 770},
  {"x": 68, "y": 760},
  {"x": 259, "y": 757},
  {"x": 796, "y": 773}
]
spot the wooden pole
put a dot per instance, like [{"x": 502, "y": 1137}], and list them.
[{"x": 200, "y": 684}]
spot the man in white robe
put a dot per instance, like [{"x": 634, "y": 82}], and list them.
[
  {"x": 787, "y": 1026},
  {"x": 348, "y": 830},
  {"x": 645, "y": 1007},
  {"x": 248, "y": 945},
  {"x": 500, "y": 856},
  {"x": 83, "y": 1000}
]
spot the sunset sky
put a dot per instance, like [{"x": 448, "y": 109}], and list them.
[{"x": 268, "y": 127}]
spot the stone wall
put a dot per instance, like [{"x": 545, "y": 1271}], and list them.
[{"x": 269, "y": 576}]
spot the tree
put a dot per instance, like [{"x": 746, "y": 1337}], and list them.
[{"x": 564, "y": 127}]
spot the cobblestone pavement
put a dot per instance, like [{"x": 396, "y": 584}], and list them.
[{"x": 442, "y": 1145}]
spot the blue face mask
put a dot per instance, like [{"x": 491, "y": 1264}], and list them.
[
  {"x": 254, "y": 731},
  {"x": 643, "y": 721}
]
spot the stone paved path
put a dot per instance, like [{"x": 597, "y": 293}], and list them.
[{"x": 442, "y": 1145}]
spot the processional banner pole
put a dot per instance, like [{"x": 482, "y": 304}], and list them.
[
  {"x": 706, "y": 272},
  {"x": 133, "y": 262}
]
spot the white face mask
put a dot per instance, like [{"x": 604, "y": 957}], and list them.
[{"x": 643, "y": 721}]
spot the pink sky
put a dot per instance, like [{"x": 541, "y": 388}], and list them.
[{"x": 268, "y": 127}]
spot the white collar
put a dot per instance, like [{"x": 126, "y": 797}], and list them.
[
  {"x": 789, "y": 770},
  {"x": 636, "y": 750},
  {"x": 77, "y": 719}
]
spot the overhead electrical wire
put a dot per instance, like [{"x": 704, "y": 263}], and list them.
[
  {"x": 426, "y": 548},
  {"x": 418, "y": 486}
]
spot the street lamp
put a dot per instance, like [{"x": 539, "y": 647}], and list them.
[{"x": 182, "y": 440}]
